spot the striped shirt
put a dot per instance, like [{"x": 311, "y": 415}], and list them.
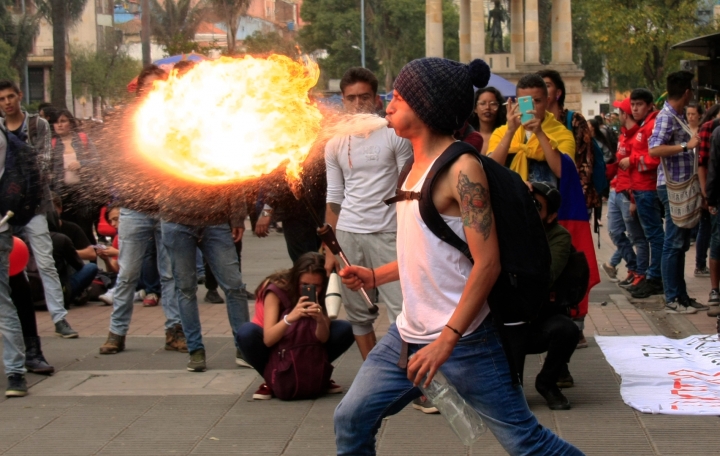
[{"x": 669, "y": 132}]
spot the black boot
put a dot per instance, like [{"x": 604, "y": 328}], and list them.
[{"x": 34, "y": 360}]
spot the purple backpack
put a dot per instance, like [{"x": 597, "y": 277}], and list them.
[{"x": 298, "y": 367}]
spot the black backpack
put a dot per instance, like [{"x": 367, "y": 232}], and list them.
[
  {"x": 20, "y": 185},
  {"x": 570, "y": 287},
  {"x": 522, "y": 288}
]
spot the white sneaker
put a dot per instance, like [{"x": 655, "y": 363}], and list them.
[
  {"x": 714, "y": 299},
  {"x": 107, "y": 298},
  {"x": 139, "y": 296}
]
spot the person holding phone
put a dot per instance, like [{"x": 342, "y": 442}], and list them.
[
  {"x": 304, "y": 284},
  {"x": 532, "y": 136}
]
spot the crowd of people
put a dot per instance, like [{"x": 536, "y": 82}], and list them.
[{"x": 157, "y": 241}]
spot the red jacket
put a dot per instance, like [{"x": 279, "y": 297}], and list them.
[
  {"x": 622, "y": 181},
  {"x": 643, "y": 167}
]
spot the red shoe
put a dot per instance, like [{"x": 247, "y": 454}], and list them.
[
  {"x": 334, "y": 388},
  {"x": 263, "y": 393},
  {"x": 150, "y": 300}
]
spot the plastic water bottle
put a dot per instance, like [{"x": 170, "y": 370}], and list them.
[{"x": 462, "y": 418}]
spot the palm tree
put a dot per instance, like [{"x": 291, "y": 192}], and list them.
[
  {"x": 174, "y": 24},
  {"x": 61, "y": 14},
  {"x": 229, "y": 12}
]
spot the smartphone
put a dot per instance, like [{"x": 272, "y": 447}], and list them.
[
  {"x": 525, "y": 104},
  {"x": 310, "y": 292},
  {"x": 100, "y": 247}
]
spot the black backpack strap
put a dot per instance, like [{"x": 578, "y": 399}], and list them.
[
  {"x": 428, "y": 212},
  {"x": 32, "y": 129}
]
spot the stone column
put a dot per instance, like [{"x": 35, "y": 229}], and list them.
[
  {"x": 433, "y": 28},
  {"x": 561, "y": 32},
  {"x": 477, "y": 29},
  {"x": 532, "y": 32},
  {"x": 465, "y": 54},
  {"x": 517, "y": 26}
]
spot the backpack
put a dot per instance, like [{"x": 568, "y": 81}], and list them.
[
  {"x": 525, "y": 258},
  {"x": 570, "y": 287},
  {"x": 298, "y": 367},
  {"x": 20, "y": 184}
]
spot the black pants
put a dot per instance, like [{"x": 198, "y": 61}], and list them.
[
  {"x": 557, "y": 335},
  {"x": 300, "y": 235},
  {"x": 250, "y": 340},
  {"x": 22, "y": 298}
]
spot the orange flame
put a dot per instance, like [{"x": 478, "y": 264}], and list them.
[{"x": 229, "y": 120}]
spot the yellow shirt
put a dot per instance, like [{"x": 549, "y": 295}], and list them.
[{"x": 561, "y": 139}]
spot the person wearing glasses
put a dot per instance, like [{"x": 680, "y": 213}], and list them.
[
  {"x": 361, "y": 173},
  {"x": 489, "y": 113}
]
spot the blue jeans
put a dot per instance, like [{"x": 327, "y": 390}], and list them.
[
  {"x": 702, "y": 241},
  {"x": 616, "y": 229},
  {"x": 136, "y": 231},
  {"x": 149, "y": 274},
  {"x": 635, "y": 233},
  {"x": 250, "y": 341},
  {"x": 478, "y": 369},
  {"x": 218, "y": 249},
  {"x": 677, "y": 242},
  {"x": 82, "y": 279},
  {"x": 13, "y": 344},
  {"x": 650, "y": 211}
]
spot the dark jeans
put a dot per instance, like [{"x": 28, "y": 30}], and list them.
[
  {"x": 676, "y": 243},
  {"x": 22, "y": 298},
  {"x": 149, "y": 274},
  {"x": 250, "y": 341},
  {"x": 557, "y": 335},
  {"x": 82, "y": 279},
  {"x": 650, "y": 211},
  {"x": 702, "y": 241}
]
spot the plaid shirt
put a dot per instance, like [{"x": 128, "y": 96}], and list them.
[
  {"x": 705, "y": 134},
  {"x": 669, "y": 132}
]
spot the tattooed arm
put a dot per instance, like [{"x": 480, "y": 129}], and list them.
[{"x": 463, "y": 190}]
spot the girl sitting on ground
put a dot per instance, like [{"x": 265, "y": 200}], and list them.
[{"x": 269, "y": 326}]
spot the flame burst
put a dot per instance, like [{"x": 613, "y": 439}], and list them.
[{"x": 229, "y": 120}]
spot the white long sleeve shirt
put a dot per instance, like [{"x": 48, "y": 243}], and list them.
[{"x": 361, "y": 173}]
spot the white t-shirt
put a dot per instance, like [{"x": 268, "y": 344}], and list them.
[
  {"x": 433, "y": 275},
  {"x": 3, "y": 152},
  {"x": 361, "y": 173}
]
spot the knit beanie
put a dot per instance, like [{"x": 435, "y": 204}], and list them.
[{"x": 440, "y": 91}]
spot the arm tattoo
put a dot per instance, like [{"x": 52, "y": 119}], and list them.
[{"x": 474, "y": 205}]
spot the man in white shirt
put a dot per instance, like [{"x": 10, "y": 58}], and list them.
[
  {"x": 444, "y": 323},
  {"x": 361, "y": 173}
]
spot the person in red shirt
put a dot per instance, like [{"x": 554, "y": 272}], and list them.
[
  {"x": 623, "y": 225},
  {"x": 642, "y": 169}
]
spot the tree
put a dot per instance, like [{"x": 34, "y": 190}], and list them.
[
  {"x": 395, "y": 32},
  {"x": 229, "y": 12},
  {"x": 634, "y": 37},
  {"x": 61, "y": 14},
  {"x": 6, "y": 69},
  {"x": 175, "y": 22},
  {"x": 19, "y": 34},
  {"x": 103, "y": 74},
  {"x": 270, "y": 43}
]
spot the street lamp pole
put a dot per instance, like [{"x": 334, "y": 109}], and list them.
[{"x": 362, "y": 32}]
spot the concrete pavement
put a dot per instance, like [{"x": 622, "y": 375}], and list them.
[{"x": 144, "y": 402}]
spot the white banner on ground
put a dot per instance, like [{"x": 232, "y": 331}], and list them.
[{"x": 661, "y": 375}]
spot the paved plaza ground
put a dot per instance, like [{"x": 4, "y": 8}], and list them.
[{"x": 144, "y": 402}]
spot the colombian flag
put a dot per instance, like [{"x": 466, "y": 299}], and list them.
[{"x": 573, "y": 215}]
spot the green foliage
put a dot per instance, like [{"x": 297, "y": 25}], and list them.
[
  {"x": 633, "y": 38},
  {"x": 270, "y": 43},
  {"x": 6, "y": 69},
  {"x": 73, "y": 10},
  {"x": 103, "y": 73},
  {"x": 175, "y": 22},
  {"x": 395, "y": 34},
  {"x": 18, "y": 33}
]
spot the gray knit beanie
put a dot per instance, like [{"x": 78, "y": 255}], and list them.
[{"x": 440, "y": 91}]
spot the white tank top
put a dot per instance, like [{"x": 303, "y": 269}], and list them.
[{"x": 433, "y": 274}]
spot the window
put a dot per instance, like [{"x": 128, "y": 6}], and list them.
[{"x": 36, "y": 84}]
